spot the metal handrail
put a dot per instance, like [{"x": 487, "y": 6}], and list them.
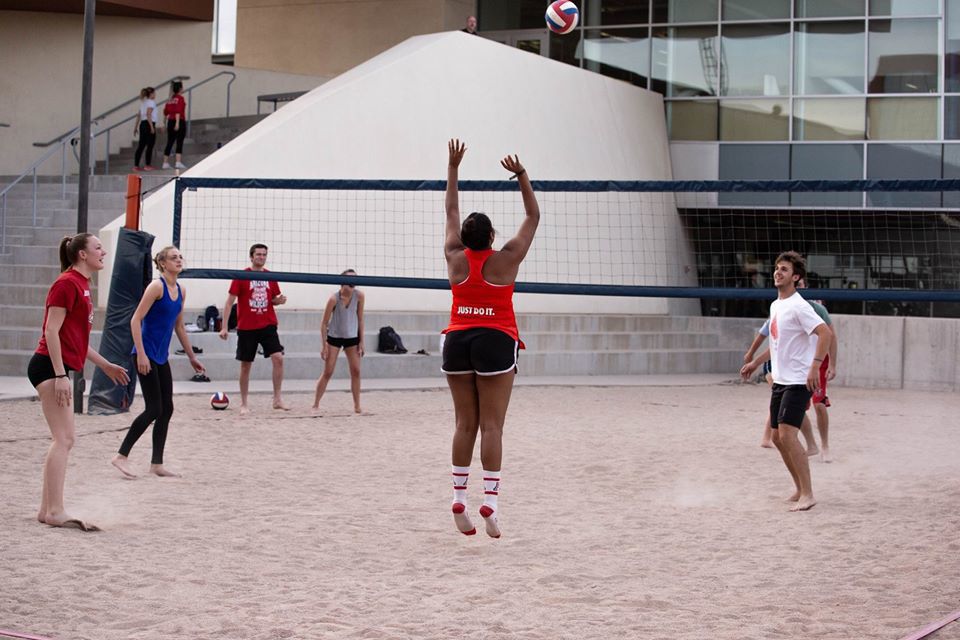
[
  {"x": 188, "y": 91},
  {"x": 4, "y": 124},
  {"x": 70, "y": 138},
  {"x": 103, "y": 115}
]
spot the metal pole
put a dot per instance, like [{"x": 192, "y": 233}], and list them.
[{"x": 83, "y": 186}]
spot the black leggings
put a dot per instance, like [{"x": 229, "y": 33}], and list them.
[
  {"x": 147, "y": 138},
  {"x": 175, "y": 136},
  {"x": 157, "y": 388}
]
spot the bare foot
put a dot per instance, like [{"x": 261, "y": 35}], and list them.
[
  {"x": 812, "y": 451},
  {"x": 41, "y": 517},
  {"x": 160, "y": 470},
  {"x": 794, "y": 497},
  {"x": 279, "y": 406},
  {"x": 766, "y": 444},
  {"x": 825, "y": 455},
  {"x": 244, "y": 410},
  {"x": 120, "y": 462},
  {"x": 357, "y": 410},
  {"x": 805, "y": 503}
]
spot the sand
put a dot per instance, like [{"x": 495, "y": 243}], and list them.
[{"x": 627, "y": 513}]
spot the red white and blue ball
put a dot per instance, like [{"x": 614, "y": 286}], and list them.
[
  {"x": 562, "y": 16},
  {"x": 219, "y": 401}
]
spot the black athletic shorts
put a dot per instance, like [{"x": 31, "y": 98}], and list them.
[
  {"x": 788, "y": 404},
  {"x": 247, "y": 341},
  {"x": 40, "y": 369},
  {"x": 484, "y": 351},
  {"x": 342, "y": 343}
]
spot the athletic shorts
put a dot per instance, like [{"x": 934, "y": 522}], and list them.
[
  {"x": 484, "y": 351},
  {"x": 767, "y": 368},
  {"x": 40, "y": 369},
  {"x": 342, "y": 343},
  {"x": 788, "y": 404},
  {"x": 248, "y": 340},
  {"x": 820, "y": 395}
]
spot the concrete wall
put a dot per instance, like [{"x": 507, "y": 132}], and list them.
[
  {"x": 884, "y": 352},
  {"x": 41, "y": 75},
  {"x": 327, "y": 38}
]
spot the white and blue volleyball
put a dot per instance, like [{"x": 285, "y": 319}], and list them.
[
  {"x": 562, "y": 16},
  {"x": 219, "y": 401}
]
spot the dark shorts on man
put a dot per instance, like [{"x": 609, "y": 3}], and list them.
[
  {"x": 249, "y": 339},
  {"x": 40, "y": 369},
  {"x": 342, "y": 343},
  {"x": 483, "y": 351},
  {"x": 788, "y": 404}
]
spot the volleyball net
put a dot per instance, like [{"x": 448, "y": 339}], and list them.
[{"x": 880, "y": 240}]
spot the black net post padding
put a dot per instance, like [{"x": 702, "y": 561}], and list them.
[{"x": 132, "y": 272}]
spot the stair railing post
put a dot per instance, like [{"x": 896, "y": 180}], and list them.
[
  {"x": 106, "y": 158},
  {"x": 34, "y": 196},
  {"x": 3, "y": 226},
  {"x": 63, "y": 170}
]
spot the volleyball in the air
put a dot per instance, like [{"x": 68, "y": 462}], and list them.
[
  {"x": 219, "y": 401},
  {"x": 562, "y": 16}
]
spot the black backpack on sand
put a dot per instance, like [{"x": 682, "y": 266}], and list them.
[{"x": 390, "y": 341}]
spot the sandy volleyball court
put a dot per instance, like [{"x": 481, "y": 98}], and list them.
[{"x": 627, "y": 513}]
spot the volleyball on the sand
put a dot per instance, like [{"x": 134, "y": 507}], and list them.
[
  {"x": 562, "y": 16},
  {"x": 219, "y": 401}
]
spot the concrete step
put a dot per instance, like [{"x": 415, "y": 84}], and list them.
[
  {"x": 378, "y": 365},
  {"x": 25, "y": 337},
  {"x": 31, "y": 274},
  {"x": 31, "y": 294},
  {"x": 13, "y": 315}
]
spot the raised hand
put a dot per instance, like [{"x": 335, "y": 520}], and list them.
[
  {"x": 456, "y": 150},
  {"x": 512, "y": 164}
]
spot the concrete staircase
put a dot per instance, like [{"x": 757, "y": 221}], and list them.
[
  {"x": 203, "y": 138},
  {"x": 31, "y": 262}
]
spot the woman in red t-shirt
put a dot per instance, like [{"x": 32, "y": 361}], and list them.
[
  {"x": 176, "y": 113},
  {"x": 64, "y": 346},
  {"x": 480, "y": 345}
]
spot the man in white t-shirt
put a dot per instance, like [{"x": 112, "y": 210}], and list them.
[{"x": 799, "y": 340}]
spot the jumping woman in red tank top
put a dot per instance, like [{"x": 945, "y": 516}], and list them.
[{"x": 481, "y": 342}]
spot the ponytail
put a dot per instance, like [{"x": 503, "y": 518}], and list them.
[{"x": 70, "y": 248}]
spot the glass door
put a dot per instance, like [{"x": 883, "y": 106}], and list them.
[{"x": 533, "y": 40}]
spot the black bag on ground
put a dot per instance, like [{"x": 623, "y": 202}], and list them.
[{"x": 390, "y": 341}]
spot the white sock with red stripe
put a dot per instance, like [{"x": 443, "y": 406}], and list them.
[
  {"x": 460, "y": 476},
  {"x": 491, "y": 490}
]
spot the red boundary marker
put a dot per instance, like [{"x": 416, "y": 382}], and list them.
[
  {"x": 933, "y": 626},
  {"x": 22, "y": 636}
]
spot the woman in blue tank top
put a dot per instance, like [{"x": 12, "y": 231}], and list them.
[{"x": 158, "y": 315}]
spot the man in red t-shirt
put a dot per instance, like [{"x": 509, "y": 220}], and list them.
[{"x": 256, "y": 325}]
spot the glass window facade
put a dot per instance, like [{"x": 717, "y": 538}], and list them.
[
  {"x": 692, "y": 119},
  {"x": 828, "y": 58},
  {"x": 685, "y": 11},
  {"x": 614, "y": 12},
  {"x": 829, "y": 8},
  {"x": 904, "y": 7},
  {"x": 758, "y": 119},
  {"x": 903, "y": 56},
  {"x": 902, "y": 118},
  {"x": 756, "y": 60},
  {"x": 685, "y": 61},
  {"x": 829, "y": 119},
  {"x": 754, "y": 162},
  {"x": 826, "y": 162},
  {"x": 904, "y": 162},
  {"x": 618, "y": 53}
]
